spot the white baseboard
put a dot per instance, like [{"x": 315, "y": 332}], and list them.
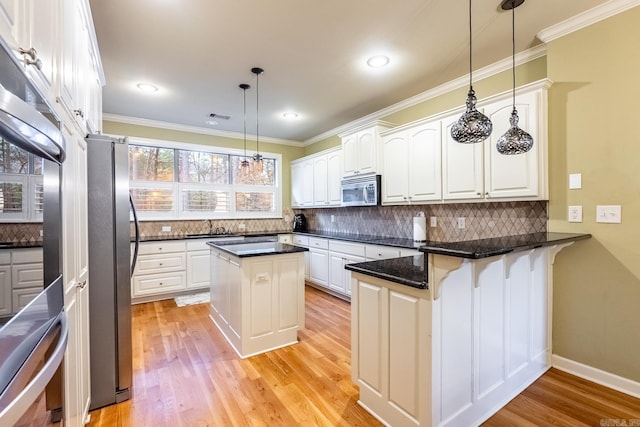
[{"x": 598, "y": 376}]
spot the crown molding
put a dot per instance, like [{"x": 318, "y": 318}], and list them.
[
  {"x": 586, "y": 18},
  {"x": 463, "y": 81},
  {"x": 192, "y": 129}
]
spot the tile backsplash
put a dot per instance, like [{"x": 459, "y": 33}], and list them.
[
  {"x": 20, "y": 232},
  {"x": 482, "y": 220}
]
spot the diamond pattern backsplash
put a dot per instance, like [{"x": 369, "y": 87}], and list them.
[
  {"x": 20, "y": 232},
  {"x": 482, "y": 220}
]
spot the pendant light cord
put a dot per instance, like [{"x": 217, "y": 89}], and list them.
[
  {"x": 257, "y": 115},
  {"x": 244, "y": 91},
  {"x": 470, "y": 50},
  {"x": 513, "y": 49}
]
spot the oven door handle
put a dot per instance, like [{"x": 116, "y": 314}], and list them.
[{"x": 18, "y": 406}]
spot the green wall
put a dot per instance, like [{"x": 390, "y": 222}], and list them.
[
  {"x": 592, "y": 116},
  {"x": 288, "y": 152},
  {"x": 325, "y": 144}
]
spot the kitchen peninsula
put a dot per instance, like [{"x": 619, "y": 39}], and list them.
[
  {"x": 449, "y": 337},
  {"x": 257, "y": 294}
]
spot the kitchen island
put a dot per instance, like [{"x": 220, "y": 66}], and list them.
[
  {"x": 257, "y": 294},
  {"x": 449, "y": 337}
]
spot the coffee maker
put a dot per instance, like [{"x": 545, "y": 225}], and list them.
[{"x": 299, "y": 222}]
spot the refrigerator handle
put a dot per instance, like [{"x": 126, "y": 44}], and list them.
[{"x": 137, "y": 229}]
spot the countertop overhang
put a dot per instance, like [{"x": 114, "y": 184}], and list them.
[
  {"x": 410, "y": 270},
  {"x": 252, "y": 249}
]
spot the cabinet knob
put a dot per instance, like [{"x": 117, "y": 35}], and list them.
[
  {"x": 30, "y": 57},
  {"x": 161, "y": 283},
  {"x": 159, "y": 249},
  {"x": 81, "y": 285},
  {"x": 160, "y": 264},
  {"x": 79, "y": 112},
  {"x": 487, "y": 194},
  {"x": 478, "y": 194}
]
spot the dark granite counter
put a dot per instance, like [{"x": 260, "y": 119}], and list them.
[
  {"x": 397, "y": 242},
  {"x": 484, "y": 248},
  {"x": 251, "y": 249},
  {"x": 20, "y": 245},
  {"x": 160, "y": 238},
  {"x": 411, "y": 270}
]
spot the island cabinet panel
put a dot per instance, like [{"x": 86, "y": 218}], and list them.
[
  {"x": 452, "y": 354},
  {"x": 257, "y": 302}
]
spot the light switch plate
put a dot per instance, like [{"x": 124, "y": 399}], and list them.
[
  {"x": 611, "y": 214},
  {"x": 433, "y": 221},
  {"x": 575, "y": 181},
  {"x": 166, "y": 228},
  {"x": 575, "y": 214},
  {"x": 462, "y": 223}
]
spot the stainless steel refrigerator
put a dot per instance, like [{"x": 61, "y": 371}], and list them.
[{"x": 110, "y": 268}]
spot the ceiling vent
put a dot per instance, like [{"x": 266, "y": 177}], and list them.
[{"x": 219, "y": 116}]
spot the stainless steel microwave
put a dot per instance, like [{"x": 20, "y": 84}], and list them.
[{"x": 361, "y": 190}]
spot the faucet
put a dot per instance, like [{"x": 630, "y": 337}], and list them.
[{"x": 220, "y": 230}]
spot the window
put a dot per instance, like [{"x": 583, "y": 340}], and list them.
[
  {"x": 21, "y": 188},
  {"x": 171, "y": 182}
]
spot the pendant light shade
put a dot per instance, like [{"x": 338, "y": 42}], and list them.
[
  {"x": 244, "y": 165},
  {"x": 258, "y": 163},
  {"x": 472, "y": 126},
  {"x": 515, "y": 140}
]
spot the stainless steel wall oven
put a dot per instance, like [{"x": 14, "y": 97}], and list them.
[{"x": 32, "y": 339}]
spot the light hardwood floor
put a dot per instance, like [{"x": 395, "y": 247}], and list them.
[{"x": 185, "y": 374}]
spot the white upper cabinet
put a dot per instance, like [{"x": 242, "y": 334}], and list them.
[
  {"x": 412, "y": 164},
  {"x": 9, "y": 12},
  {"x": 315, "y": 180},
  {"x": 362, "y": 149},
  {"x": 478, "y": 171}
]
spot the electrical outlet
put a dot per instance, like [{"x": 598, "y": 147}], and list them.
[
  {"x": 575, "y": 214},
  {"x": 609, "y": 213},
  {"x": 462, "y": 223},
  {"x": 575, "y": 181},
  {"x": 433, "y": 221},
  {"x": 333, "y": 218},
  {"x": 41, "y": 233},
  {"x": 166, "y": 229},
  {"x": 241, "y": 226}
]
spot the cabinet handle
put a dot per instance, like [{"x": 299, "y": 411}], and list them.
[
  {"x": 159, "y": 249},
  {"x": 160, "y": 264},
  {"x": 161, "y": 283},
  {"x": 487, "y": 194},
  {"x": 478, "y": 194},
  {"x": 79, "y": 112},
  {"x": 404, "y": 198},
  {"x": 81, "y": 285},
  {"x": 30, "y": 57}
]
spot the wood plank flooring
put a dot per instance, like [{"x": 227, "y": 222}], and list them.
[{"x": 186, "y": 374}]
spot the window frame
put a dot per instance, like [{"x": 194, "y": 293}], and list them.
[{"x": 178, "y": 214}]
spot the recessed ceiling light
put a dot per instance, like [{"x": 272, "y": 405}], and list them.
[
  {"x": 290, "y": 115},
  {"x": 211, "y": 123},
  {"x": 147, "y": 87},
  {"x": 378, "y": 61}
]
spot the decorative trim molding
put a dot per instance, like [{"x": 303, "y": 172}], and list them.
[
  {"x": 482, "y": 73},
  {"x": 192, "y": 129},
  {"x": 586, "y": 18},
  {"x": 607, "y": 379}
]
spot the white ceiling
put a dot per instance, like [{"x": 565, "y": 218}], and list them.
[{"x": 313, "y": 53}]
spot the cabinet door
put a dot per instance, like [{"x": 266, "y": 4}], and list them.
[
  {"x": 349, "y": 259},
  {"x": 425, "y": 175},
  {"x": 395, "y": 177},
  {"x": 5, "y": 290},
  {"x": 462, "y": 168},
  {"x": 319, "y": 266},
  {"x": 350, "y": 155},
  {"x": 320, "y": 181},
  {"x": 307, "y": 183},
  {"x": 234, "y": 279},
  {"x": 40, "y": 34},
  {"x": 198, "y": 269},
  {"x": 334, "y": 176},
  {"x": 367, "y": 151},
  {"x": 9, "y": 12},
  {"x": 297, "y": 186},
  {"x": 336, "y": 272},
  {"x": 512, "y": 175}
]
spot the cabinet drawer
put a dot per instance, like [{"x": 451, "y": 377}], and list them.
[
  {"x": 285, "y": 238},
  {"x": 22, "y": 297},
  {"x": 410, "y": 252},
  {"x": 356, "y": 249},
  {"x": 151, "y": 248},
  {"x": 27, "y": 276},
  {"x": 315, "y": 242},
  {"x": 381, "y": 252},
  {"x": 198, "y": 244},
  {"x": 5, "y": 257},
  {"x": 156, "y": 263},
  {"x": 24, "y": 256},
  {"x": 159, "y": 283},
  {"x": 300, "y": 240}
]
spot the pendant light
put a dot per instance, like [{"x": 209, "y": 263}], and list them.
[
  {"x": 472, "y": 126},
  {"x": 245, "y": 165},
  {"x": 515, "y": 140},
  {"x": 258, "y": 163}
]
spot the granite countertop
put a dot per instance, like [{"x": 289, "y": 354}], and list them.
[
  {"x": 163, "y": 237},
  {"x": 411, "y": 270},
  {"x": 20, "y": 245},
  {"x": 398, "y": 242},
  {"x": 484, "y": 248},
  {"x": 251, "y": 249}
]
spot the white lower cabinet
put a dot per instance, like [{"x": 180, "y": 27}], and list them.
[
  {"x": 160, "y": 270},
  {"x": 319, "y": 266},
  {"x": 198, "y": 264},
  {"x": 257, "y": 302},
  {"x": 304, "y": 242},
  {"x": 5, "y": 290},
  {"x": 453, "y": 354},
  {"x": 27, "y": 276}
]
